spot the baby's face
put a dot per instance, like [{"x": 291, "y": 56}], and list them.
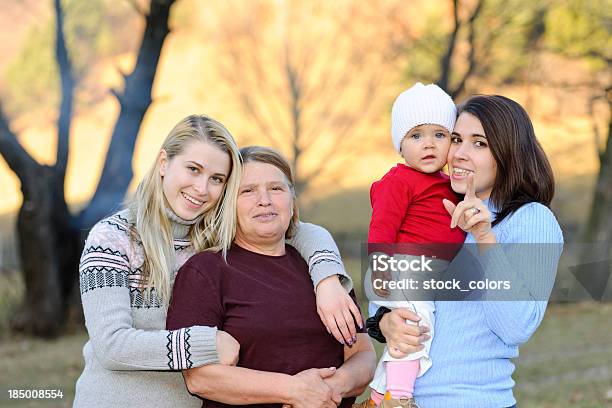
[{"x": 425, "y": 148}]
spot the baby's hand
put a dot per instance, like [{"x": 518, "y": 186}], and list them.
[{"x": 384, "y": 276}]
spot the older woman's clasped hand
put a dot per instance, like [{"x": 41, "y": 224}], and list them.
[
  {"x": 472, "y": 215},
  {"x": 311, "y": 390}
]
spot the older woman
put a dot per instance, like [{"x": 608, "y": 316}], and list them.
[{"x": 261, "y": 294}]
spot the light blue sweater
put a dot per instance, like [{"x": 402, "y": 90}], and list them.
[{"x": 475, "y": 340}]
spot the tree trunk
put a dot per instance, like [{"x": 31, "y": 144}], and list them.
[
  {"x": 50, "y": 238},
  {"x": 599, "y": 226},
  {"x": 134, "y": 101},
  {"x": 49, "y": 249}
]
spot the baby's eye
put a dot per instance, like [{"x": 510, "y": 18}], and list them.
[
  {"x": 416, "y": 136},
  {"x": 440, "y": 135}
]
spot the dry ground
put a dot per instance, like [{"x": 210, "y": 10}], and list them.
[{"x": 567, "y": 363}]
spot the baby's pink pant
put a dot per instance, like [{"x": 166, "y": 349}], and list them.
[{"x": 401, "y": 376}]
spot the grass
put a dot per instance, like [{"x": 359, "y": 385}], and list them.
[
  {"x": 42, "y": 365},
  {"x": 567, "y": 363},
  {"x": 11, "y": 292}
]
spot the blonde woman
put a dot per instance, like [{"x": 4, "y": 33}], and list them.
[{"x": 184, "y": 204}]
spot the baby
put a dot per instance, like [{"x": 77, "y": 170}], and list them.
[{"x": 407, "y": 209}]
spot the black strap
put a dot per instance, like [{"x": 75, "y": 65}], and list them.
[{"x": 373, "y": 325}]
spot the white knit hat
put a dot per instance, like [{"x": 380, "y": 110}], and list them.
[{"x": 420, "y": 105}]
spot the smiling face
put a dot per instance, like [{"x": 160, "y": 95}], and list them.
[
  {"x": 264, "y": 206},
  {"x": 425, "y": 148},
  {"x": 193, "y": 180},
  {"x": 470, "y": 153}
]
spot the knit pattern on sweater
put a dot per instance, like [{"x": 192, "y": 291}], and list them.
[{"x": 127, "y": 330}]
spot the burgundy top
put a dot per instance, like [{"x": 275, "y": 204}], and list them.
[
  {"x": 266, "y": 302},
  {"x": 407, "y": 208}
]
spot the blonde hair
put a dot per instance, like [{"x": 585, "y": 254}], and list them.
[
  {"x": 259, "y": 154},
  {"x": 213, "y": 230}
]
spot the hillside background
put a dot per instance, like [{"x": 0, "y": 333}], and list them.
[{"x": 237, "y": 62}]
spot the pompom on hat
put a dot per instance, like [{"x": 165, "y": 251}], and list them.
[{"x": 420, "y": 105}]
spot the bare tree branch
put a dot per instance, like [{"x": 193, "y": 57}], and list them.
[
  {"x": 445, "y": 61},
  {"x": 117, "y": 172},
  {"x": 304, "y": 86},
  {"x": 599, "y": 55},
  {"x": 137, "y": 8},
  {"x": 265, "y": 131},
  {"x": 121, "y": 72},
  {"x": 15, "y": 155},
  {"x": 599, "y": 225},
  {"x": 246, "y": 93},
  {"x": 343, "y": 75},
  {"x": 342, "y": 141},
  {"x": 117, "y": 95},
  {"x": 295, "y": 91},
  {"x": 330, "y": 163},
  {"x": 594, "y": 127},
  {"x": 472, "y": 54},
  {"x": 242, "y": 48},
  {"x": 67, "y": 87}
]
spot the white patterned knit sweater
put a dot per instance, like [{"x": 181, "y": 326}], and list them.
[{"x": 130, "y": 359}]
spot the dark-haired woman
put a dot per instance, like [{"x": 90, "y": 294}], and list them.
[{"x": 496, "y": 161}]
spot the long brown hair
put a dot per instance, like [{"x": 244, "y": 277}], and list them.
[{"x": 524, "y": 174}]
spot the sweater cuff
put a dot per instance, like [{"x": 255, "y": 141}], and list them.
[
  {"x": 327, "y": 266},
  {"x": 201, "y": 346}
]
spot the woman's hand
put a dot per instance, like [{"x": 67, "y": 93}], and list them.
[
  {"x": 403, "y": 338},
  {"x": 227, "y": 348},
  {"x": 384, "y": 276},
  {"x": 472, "y": 215},
  {"x": 337, "y": 310},
  {"x": 336, "y": 395},
  {"x": 311, "y": 391}
]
